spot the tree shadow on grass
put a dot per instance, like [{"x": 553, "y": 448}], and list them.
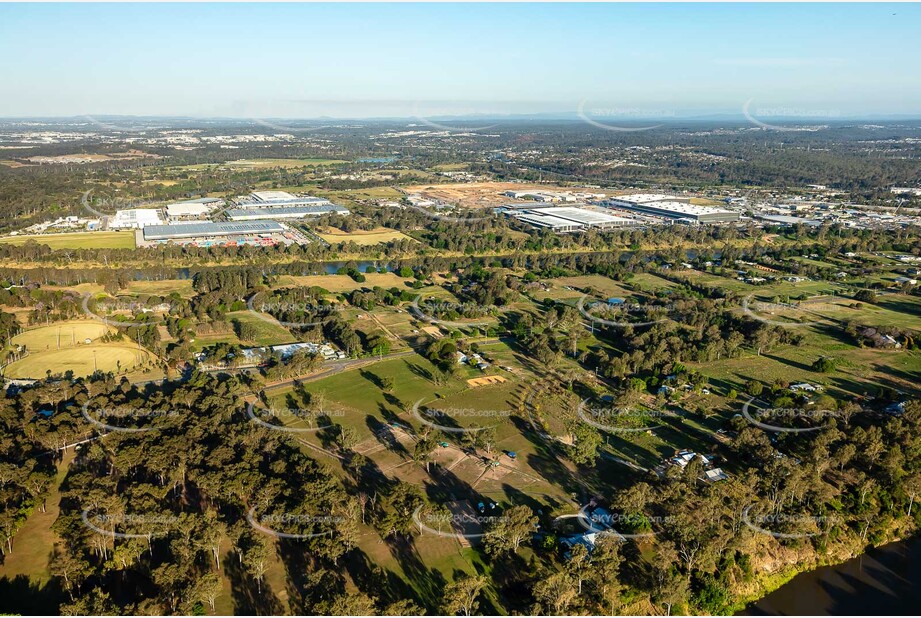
[
  {"x": 20, "y": 595},
  {"x": 385, "y": 434},
  {"x": 248, "y": 597},
  {"x": 428, "y": 582},
  {"x": 420, "y": 371},
  {"x": 376, "y": 581}
]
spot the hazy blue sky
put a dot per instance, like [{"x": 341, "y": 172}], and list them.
[{"x": 305, "y": 60}]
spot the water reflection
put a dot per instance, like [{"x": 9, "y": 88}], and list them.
[{"x": 884, "y": 581}]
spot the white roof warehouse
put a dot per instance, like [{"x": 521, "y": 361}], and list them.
[
  {"x": 285, "y": 212},
  {"x": 565, "y": 219},
  {"x": 675, "y": 210}
]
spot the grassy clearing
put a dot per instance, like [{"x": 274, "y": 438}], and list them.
[
  {"x": 34, "y": 543},
  {"x": 80, "y": 288},
  {"x": 203, "y": 341},
  {"x": 161, "y": 288},
  {"x": 120, "y": 358},
  {"x": 78, "y": 240},
  {"x": 285, "y": 163},
  {"x": 649, "y": 281},
  {"x": 603, "y": 284},
  {"x": 343, "y": 283},
  {"x": 370, "y": 193},
  {"x": 267, "y": 333},
  {"x": 860, "y": 371},
  {"x": 62, "y": 335},
  {"x": 362, "y": 237}
]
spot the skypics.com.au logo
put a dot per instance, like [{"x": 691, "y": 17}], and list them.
[
  {"x": 295, "y": 526},
  {"x": 427, "y": 310},
  {"x": 111, "y": 204},
  {"x": 455, "y": 524},
  {"x": 119, "y": 418},
  {"x": 316, "y": 420},
  {"x": 793, "y": 113},
  {"x": 115, "y": 312},
  {"x": 756, "y": 309},
  {"x": 782, "y": 525},
  {"x": 441, "y": 217},
  {"x": 128, "y": 525},
  {"x": 624, "y": 314},
  {"x": 789, "y": 414},
  {"x": 307, "y": 313},
  {"x": 437, "y": 418},
  {"x": 622, "y": 119},
  {"x": 625, "y": 526},
  {"x": 615, "y": 419}
]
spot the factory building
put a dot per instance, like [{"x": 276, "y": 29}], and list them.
[
  {"x": 208, "y": 230},
  {"x": 679, "y": 211},
  {"x": 569, "y": 219},
  {"x": 282, "y": 205},
  {"x": 135, "y": 218},
  {"x": 285, "y": 212},
  {"x": 267, "y": 199},
  {"x": 192, "y": 208}
]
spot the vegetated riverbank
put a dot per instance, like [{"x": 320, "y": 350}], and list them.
[
  {"x": 883, "y": 581},
  {"x": 903, "y": 531}
]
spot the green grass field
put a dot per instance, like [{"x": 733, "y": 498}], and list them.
[
  {"x": 285, "y": 163},
  {"x": 78, "y": 240},
  {"x": 62, "y": 335},
  {"x": 83, "y": 361},
  {"x": 35, "y": 541},
  {"x": 161, "y": 288},
  {"x": 267, "y": 333},
  {"x": 362, "y": 237},
  {"x": 343, "y": 283}
]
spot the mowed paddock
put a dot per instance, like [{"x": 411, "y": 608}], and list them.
[
  {"x": 59, "y": 336},
  {"x": 78, "y": 240},
  {"x": 62, "y": 347},
  {"x": 334, "y": 235},
  {"x": 83, "y": 361}
]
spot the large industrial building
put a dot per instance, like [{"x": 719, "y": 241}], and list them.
[
  {"x": 569, "y": 219},
  {"x": 210, "y": 230},
  {"x": 269, "y": 199},
  {"x": 282, "y": 205},
  {"x": 135, "y": 218},
  {"x": 266, "y": 197},
  {"x": 681, "y": 212},
  {"x": 192, "y": 208},
  {"x": 285, "y": 212}
]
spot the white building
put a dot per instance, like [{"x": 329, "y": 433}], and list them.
[
  {"x": 907, "y": 190},
  {"x": 569, "y": 219},
  {"x": 135, "y": 218},
  {"x": 272, "y": 196},
  {"x": 192, "y": 208}
]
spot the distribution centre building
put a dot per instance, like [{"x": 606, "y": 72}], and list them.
[
  {"x": 206, "y": 230},
  {"x": 568, "y": 219},
  {"x": 285, "y": 212},
  {"x": 676, "y": 210}
]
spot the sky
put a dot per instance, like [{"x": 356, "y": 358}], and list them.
[{"x": 427, "y": 60}]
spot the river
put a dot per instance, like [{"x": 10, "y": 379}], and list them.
[{"x": 885, "y": 580}]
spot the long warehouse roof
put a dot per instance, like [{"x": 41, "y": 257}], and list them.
[
  {"x": 195, "y": 230},
  {"x": 286, "y": 211}
]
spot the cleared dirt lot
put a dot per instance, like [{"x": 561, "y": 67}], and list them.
[{"x": 483, "y": 194}]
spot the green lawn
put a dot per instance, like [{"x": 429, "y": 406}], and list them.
[
  {"x": 78, "y": 240},
  {"x": 161, "y": 288},
  {"x": 285, "y": 163},
  {"x": 35, "y": 541},
  {"x": 267, "y": 332}
]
